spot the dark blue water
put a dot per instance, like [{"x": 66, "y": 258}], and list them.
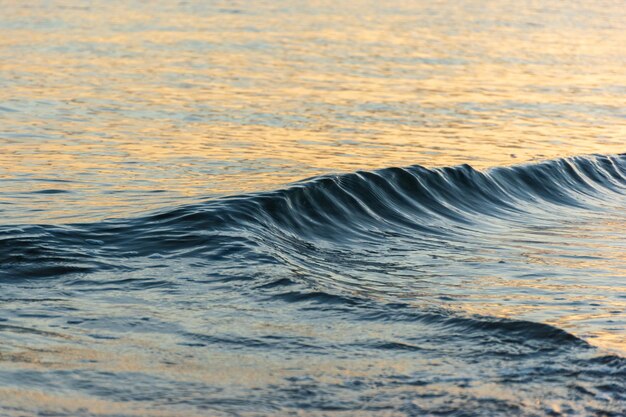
[{"x": 401, "y": 291}]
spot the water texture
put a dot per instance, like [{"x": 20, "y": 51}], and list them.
[
  {"x": 127, "y": 106},
  {"x": 458, "y": 249}
]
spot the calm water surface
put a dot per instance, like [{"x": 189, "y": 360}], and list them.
[{"x": 160, "y": 254}]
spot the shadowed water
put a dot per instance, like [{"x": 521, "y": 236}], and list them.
[
  {"x": 458, "y": 248},
  {"x": 402, "y": 290}
]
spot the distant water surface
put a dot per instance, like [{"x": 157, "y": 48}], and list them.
[
  {"x": 137, "y": 105},
  {"x": 458, "y": 248}
]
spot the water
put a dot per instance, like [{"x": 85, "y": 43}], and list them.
[{"x": 160, "y": 253}]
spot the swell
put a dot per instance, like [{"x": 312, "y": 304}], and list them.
[
  {"x": 352, "y": 208},
  {"x": 357, "y": 207}
]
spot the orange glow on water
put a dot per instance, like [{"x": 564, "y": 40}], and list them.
[
  {"x": 111, "y": 109},
  {"x": 129, "y": 99}
]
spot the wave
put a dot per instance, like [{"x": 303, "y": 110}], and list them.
[
  {"x": 323, "y": 229},
  {"x": 353, "y": 208},
  {"x": 337, "y": 207}
]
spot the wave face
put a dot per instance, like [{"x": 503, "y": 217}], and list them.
[{"x": 405, "y": 290}]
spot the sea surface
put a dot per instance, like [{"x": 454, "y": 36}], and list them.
[{"x": 312, "y": 208}]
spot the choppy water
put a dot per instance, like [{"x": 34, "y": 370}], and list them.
[{"x": 157, "y": 259}]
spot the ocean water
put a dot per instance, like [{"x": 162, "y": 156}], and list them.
[{"x": 399, "y": 208}]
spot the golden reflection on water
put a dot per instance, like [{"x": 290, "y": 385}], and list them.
[
  {"x": 218, "y": 369},
  {"x": 198, "y": 100},
  {"x": 119, "y": 100}
]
